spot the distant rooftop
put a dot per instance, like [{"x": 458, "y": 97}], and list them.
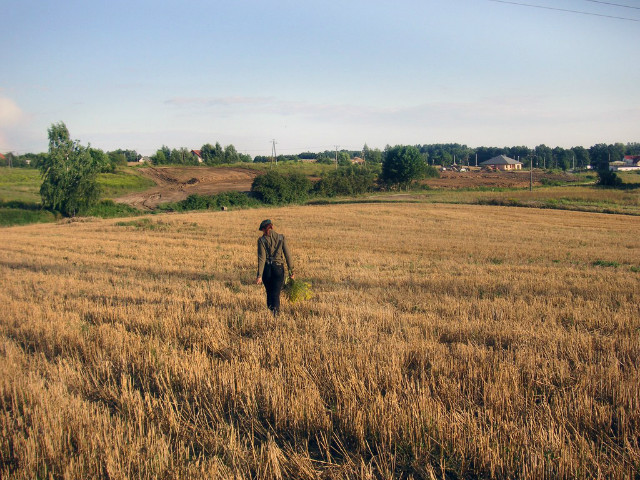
[{"x": 501, "y": 160}]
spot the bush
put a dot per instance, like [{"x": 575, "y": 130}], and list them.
[
  {"x": 210, "y": 202},
  {"x": 431, "y": 172},
  {"x": 402, "y": 165},
  {"x": 274, "y": 188},
  {"x": 350, "y": 180},
  {"x": 607, "y": 178},
  {"x": 23, "y": 216},
  {"x": 109, "y": 209}
]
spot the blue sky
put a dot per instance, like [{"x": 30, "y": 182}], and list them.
[{"x": 314, "y": 74}]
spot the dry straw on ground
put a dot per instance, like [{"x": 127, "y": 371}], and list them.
[{"x": 442, "y": 341}]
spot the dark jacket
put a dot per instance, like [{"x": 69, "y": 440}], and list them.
[{"x": 273, "y": 248}]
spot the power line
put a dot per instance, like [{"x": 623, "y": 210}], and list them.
[
  {"x": 566, "y": 10},
  {"x": 613, "y": 4}
]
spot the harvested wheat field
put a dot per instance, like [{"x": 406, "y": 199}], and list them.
[{"x": 442, "y": 342}]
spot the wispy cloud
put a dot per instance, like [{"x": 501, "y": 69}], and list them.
[
  {"x": 209, "y": 102},
  {"x": 487, "y": 109},
  {"x": 10, "y": 113}
]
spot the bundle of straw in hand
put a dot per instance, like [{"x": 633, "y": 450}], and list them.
[{"x": 297, "y": 290}]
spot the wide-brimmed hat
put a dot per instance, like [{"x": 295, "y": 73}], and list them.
[{"x": 264, "y": 224}]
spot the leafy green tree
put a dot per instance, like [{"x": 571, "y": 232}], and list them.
[
  {"x": 351, "y": 180},
  {"x": 207, "y": 152},
  {"x": 68, "y": 174},
  {"x": 632, "y": 148},
  {"x": 581, "y": 155},
  {"x": 600, "y": 155},
  {"x": 162, "y": 156},
  {"x": 128, "y": 155},
  {"x": 275, "y": 188},
  {"x": 218, "y": 154},
  {"x": 543, "y": 156},
  {"x": 117, "y": 158},
  {"x": 344, "y": 160},
  {"x": 371, "y": 155},
  {"x": 402, "y": 165},
  {"x": 102, "y": 160},
  {"x": 230, "y": 154}
]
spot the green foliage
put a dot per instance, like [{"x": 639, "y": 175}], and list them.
[
  {"x": 120, "y": 157},
  {"x": 109, "y": 209},
  {"x": 605, "y": 263},
  {"x": 121, "y": 182},
  {"x": 210, "y": 202},
  {"x": 212, "y": 155},
  {"x": 21, "y": 184},
  {"x": 19, "y": 215},
  {"x": 351, "y": 180},
  {"x": 431, "y": 172},
  {"x": 69, "y": 174},
  {"x": 607, "y": 178},
  {"x": 297, "y": 290},
  {"x": 371, "y": 156},
  {"x": 275, "y": 188},
  {"x": 402, "y": 165}
]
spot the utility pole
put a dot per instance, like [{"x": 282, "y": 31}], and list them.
[
  {"x": 274, "y": 155},
  {"x": 531, "y": 175},
  {"x": 476, "y": 159},
  {"x": 336, "y": 156}
]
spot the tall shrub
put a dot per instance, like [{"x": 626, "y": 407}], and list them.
[{"x": 275, "y": 188}]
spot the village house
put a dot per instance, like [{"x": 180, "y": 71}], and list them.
[
  {"x": 502, "y": 162},
  {"x": 628, "y": 163},
  {"x": 198, "y": 154}
]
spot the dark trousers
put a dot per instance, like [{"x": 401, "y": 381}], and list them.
[{"x": 273, "y": 279}]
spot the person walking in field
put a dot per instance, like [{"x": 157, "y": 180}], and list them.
[{"x": 272, "y": 254}]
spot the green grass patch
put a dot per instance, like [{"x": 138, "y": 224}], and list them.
[
  {"x": 20, "y": 216},
  {"x": 121, "y": 182},
  {"x": 605, "y": 263},
  {"x": 21, "y": 184},
  {"x": 148, "y": 224},
  {"x": 211, "y": 202},
  {"x": 109, "y": 209}
]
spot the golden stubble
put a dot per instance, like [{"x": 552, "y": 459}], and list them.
[{"x": 460, "y": 341}]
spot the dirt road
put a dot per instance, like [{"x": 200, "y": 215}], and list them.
[{"x": 177, "y": 183}]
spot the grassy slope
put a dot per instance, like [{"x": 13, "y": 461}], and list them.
[
  {"x": 20, "y": 197},
  {"x": 122, "y": 181}
]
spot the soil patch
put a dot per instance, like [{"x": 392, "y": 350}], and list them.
[
  {"x": 481, "y": 179},
  {"x": 174, "y": 184}
]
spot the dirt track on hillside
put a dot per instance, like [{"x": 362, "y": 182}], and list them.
[{"x": 177, "y": 183}]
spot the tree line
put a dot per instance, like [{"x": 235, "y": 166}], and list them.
[
  {"x": 445, "y": 155},
  {"x": 69, "y": 169},
  {"x": 210, "y": 154}
]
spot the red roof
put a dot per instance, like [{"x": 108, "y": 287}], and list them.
[
  {"x": 3, "y": 157},
  {"x": 197, "y": 152}
]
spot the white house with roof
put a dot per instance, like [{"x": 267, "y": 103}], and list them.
[
  {"x": 628, "y": 163},
  {"x": 502, "y": 162}
]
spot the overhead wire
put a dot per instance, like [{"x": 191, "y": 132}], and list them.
[
  {"x": 581, "y": 12},
  {"x": 613, "y": 4}
]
